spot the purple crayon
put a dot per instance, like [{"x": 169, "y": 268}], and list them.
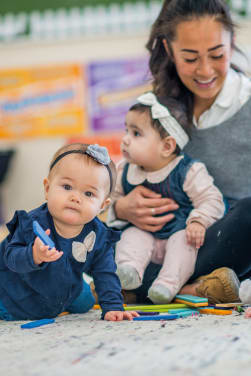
[{"x": 145, "y": 313}]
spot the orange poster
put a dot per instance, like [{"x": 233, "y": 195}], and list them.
[{"x": 43, "y": 101}]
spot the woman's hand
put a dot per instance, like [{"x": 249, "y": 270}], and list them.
[
  {"x": 120, "y": 315},
  {"x": 42, "y": 253},
  {"x": 140, "y": 207}
]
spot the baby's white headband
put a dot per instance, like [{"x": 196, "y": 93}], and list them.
[{"x": 168, "y": 122}]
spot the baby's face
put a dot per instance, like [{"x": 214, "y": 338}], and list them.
[
  {"x": 76, "y": 191},
  {"x": 142, "y": 144}
]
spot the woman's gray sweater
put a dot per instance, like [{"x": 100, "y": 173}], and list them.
[{"x": 226, "y": 151}]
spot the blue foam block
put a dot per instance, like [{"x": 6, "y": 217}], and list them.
[{"x": 192, "y": 298}]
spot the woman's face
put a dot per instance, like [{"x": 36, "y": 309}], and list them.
[{"x": 202, "y": 52}]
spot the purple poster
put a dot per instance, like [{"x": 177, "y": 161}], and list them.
[{"x": 113, "y": 87}]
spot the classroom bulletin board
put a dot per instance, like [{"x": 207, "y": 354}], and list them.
[
  {"x": 44, "y": 101},
  {"x": 70, "y": 99}
]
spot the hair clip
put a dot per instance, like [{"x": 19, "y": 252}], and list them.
[
  {"x": 96, "y": 152},
  {"x": 99, "y": 153}
]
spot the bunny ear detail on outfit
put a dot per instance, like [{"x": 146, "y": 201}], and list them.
[
  {"x": 168, "y": 122},
  {"x": 79, "y": 250}
]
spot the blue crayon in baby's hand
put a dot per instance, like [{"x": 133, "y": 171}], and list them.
[{"x": 42, "y": 235}]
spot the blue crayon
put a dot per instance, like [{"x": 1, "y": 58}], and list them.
[
  {"x": 42, "y": 235},
  {"x": 35, "y": 324},
  {"x": 157, "y": 318}
]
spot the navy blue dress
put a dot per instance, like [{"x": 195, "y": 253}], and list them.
[
  {"x": 30, "y": 291},
  {"x": 170, "y": 187}
]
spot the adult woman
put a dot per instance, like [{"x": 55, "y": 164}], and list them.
[{"x": 191, "y": 45}]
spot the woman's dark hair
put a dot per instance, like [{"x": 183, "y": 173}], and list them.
[
  {"x": 165, "y": 78},
  {"x": 177, "y": 110}
]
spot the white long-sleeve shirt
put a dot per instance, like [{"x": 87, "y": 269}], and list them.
[{"x": 235, "y": 92}]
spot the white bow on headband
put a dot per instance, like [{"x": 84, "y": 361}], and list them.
[{"x": 168, "y": 122}]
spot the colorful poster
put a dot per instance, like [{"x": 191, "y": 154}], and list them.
[
  {"x": 44, "y": 101},
  {"x": 113, "y": 87}
]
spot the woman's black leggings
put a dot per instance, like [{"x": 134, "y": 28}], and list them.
[{"x": 227, "y": 243}]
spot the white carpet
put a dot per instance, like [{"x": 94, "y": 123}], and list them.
[{"x": 84, "y": 345}]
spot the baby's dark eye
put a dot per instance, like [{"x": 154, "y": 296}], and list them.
[
  {"x": 89, "y": 194},
  {"x": 136, "y": 133},
  {"x": 67, "y": 187}
]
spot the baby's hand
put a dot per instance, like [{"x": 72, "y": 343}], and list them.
[
  {"x": 120, "y": 315},
  {"x": 41, "y": 252},
  {"x": 195, "y": 233}
]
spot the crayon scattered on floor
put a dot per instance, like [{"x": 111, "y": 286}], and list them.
[
  {"x": 63, "y": 314},
  {"x": 147, "y": 313},
  {"x": 97, "y": 306},
  {"x": 36, "y": 323},
  {"x": 156, "y": 318},
  {"x": 214, "y": 311},
  {"x": 154, "y": 307},
  {"x": 229, "y": 305}
]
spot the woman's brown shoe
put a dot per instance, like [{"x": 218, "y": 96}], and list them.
[
  {"x": 220, "y": 286},
  {"x": 129, "y": 297}
]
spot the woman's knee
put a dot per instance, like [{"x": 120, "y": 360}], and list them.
[{"x": 242, "y": 212}]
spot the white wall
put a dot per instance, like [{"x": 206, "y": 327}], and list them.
[{"x": 23, "y": 186}]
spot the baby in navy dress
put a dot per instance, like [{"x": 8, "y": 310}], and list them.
[
  {"x": 153, "y": 158},
  {"x": 37, "y": 282}
]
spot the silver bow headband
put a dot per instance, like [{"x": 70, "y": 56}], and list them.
[
  {"x": 168, "y": 122},
  {"x": 96, "y": 152}
]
